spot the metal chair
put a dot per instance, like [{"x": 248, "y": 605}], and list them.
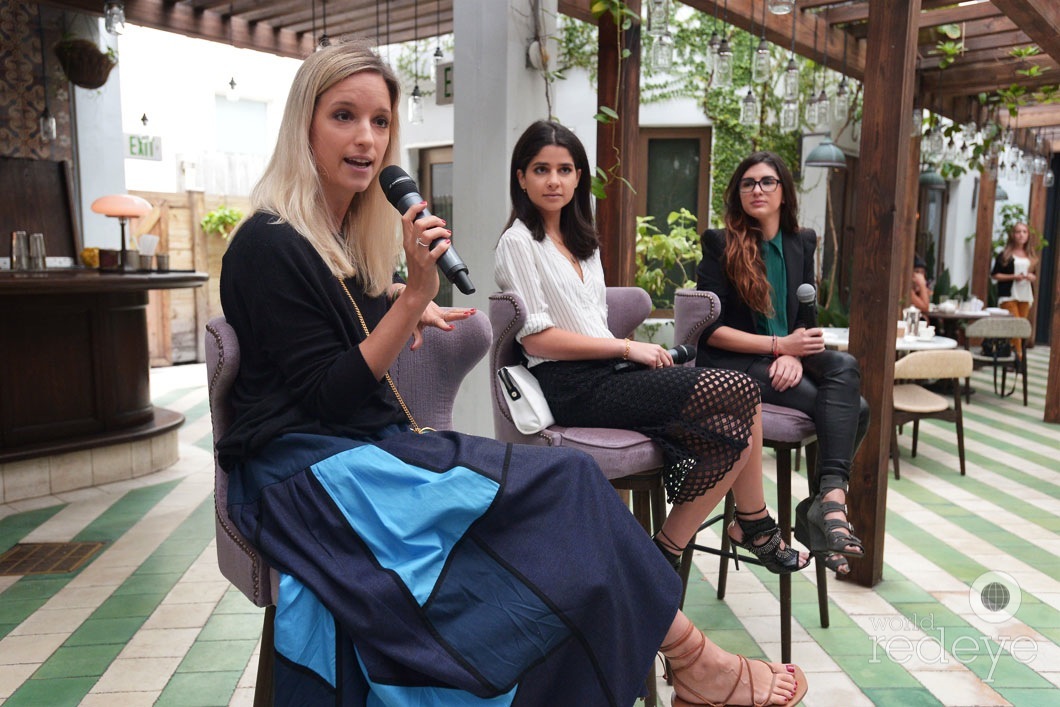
[
  {"x": 629, "y": 460},
  {"x": 784, "y": 430},
  {"x": 1004, "y": 328},
  {"x": 428, "y": 379},
  {"x": 913, "y": 403}
]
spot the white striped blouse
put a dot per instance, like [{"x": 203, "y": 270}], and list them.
[{"x": 549, "y": 285}]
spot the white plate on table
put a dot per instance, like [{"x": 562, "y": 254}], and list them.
[{"x": 996, "y": 310}]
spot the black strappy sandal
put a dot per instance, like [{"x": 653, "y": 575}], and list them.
[
  {"x": 669, "y": 550},
  {"x": 776, "y": 559},
  {"x": 832, "y": 560},
  {"x": 831, "y": 535}
]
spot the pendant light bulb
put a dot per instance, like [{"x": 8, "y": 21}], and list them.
[
  {"x": 789, "y": 115},
  {"x": 416, "y": 106},
  {"x": 662, "y": 52},
  {"x": 760, "y": 64},
  {"x": 781, "y": 7},
  {"x": 749, "y": 109},
  {"x": 114, "y": 17},
  {"x": 47, "y": 126},
  {"x": 723, "y": 65},
  {"x": 231, "y": 93},
  {"x": 841, "y": 102},
  {"x": 791, "y": 80}
]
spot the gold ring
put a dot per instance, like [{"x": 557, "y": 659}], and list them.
[{"x": 422, "y": 244}]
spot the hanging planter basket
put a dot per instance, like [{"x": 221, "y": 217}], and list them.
[{"x": 83, "y": 63}]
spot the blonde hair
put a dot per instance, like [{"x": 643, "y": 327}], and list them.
[{"x": 367, "y": 245}]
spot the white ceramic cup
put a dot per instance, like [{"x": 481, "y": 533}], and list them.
[{"x": 927, "y": 332}]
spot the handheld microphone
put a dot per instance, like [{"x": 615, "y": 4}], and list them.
[
  {"x": 401, "y": 191},
  {"x": 807, "y": 296},
  {"x": 682, "y": 353}
]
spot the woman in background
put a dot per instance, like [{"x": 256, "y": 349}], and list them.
[
  {"x": 755, "y": 265},
  {"x": 1014, "y": 272}
]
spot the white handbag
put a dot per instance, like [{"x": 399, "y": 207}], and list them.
[{"x": 526, "y": 402}]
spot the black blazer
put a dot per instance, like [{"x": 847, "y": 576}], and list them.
[{"x": 735, "y": 313}]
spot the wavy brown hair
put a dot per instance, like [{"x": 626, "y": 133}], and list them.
[
  {"x": 1028, "y": 247},
  {"x": 743, "y": 234}
]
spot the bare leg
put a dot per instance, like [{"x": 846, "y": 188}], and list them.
[
  {"x": 745, "y": 479},
  {"x": 703, "y": 671}
]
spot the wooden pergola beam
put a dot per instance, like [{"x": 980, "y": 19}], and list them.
[
  {"x": 830, "y": 41},
  {"x": 183, "y": 19},
  {"x": 964, "y": 80},
  {"x": 929, "y": 17},
  {"x": 1040, "y": 19}
]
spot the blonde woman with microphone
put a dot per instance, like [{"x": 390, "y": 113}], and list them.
[{"x": 756, "y": 266}]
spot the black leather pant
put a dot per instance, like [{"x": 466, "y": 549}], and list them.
[{"x": 830, "y": 393}]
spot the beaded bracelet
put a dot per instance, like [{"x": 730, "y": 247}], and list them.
[
  {"x": 776, "y": 351},
  {"x": 625, "y": 354}
]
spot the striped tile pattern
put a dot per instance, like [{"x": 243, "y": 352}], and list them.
[{"x": 150, "y": 621}]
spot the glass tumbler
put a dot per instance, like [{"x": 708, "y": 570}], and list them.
[
  {"x": 19, "y": 250},
  {"x": 37, "y": 258}
]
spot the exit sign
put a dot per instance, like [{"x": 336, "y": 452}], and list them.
[
  {"x": 444, "y": 79},
  {"x": 143, "y": 147}
]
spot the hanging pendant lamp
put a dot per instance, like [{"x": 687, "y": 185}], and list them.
[{"x": 826, "y": 154}]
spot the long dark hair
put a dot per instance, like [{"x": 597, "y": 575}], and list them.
[
  {"x": 576, "y": 218},
  {"x": 743, "y": 234}
]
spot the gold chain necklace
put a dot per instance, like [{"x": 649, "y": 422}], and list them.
[{"x": 401, "y": 401}]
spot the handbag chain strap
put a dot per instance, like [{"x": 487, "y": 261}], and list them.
[{"x": 401, "y": 401}]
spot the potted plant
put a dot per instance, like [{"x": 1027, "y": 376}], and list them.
[
  {"x": 666, "y": 262},
  {"x": 221, "y": 221},
  {"x": 83, "y": 62}
]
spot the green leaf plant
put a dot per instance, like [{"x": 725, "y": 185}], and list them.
[
  {"x": 666, "y": 261},
  {"x": 221, "y": 221}
]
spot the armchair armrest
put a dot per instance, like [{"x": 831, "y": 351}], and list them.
[
  {"x": 627, "y": 307},
  {"x": 694, "y": 311}
]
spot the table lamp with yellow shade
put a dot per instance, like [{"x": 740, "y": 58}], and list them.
[{"x": 122, "y": 207}]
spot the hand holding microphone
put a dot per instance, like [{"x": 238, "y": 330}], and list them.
[
  {"x": 402, "y": 193},
  {"x": 681, "y": 353},
  {"x": 807, "y": 338}
]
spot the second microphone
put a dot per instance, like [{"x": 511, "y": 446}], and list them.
[
  {"x": 401, "y": 191},
  {"x": 681, "y": 353}
]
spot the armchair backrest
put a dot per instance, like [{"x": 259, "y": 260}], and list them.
[
  {"x": 627, "y": 307},
  {"x": 998, "y": 327},
  {"x": 920, "y": 365},
  {"x": 694, "y": 311},
  {"x": 428, "y": 380}
]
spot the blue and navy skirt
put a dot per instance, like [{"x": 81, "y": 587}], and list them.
[{"x": 446, "y": 569}]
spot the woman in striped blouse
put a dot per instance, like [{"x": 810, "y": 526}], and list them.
[{"x": 707, "y": 421}]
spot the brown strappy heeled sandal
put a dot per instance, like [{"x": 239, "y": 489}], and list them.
[{"x": 692, "y": 655}]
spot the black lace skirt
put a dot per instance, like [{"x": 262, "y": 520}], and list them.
[{"x": 700, "y": 417}]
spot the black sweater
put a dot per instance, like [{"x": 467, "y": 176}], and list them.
[{"x": 301, "y": 367}]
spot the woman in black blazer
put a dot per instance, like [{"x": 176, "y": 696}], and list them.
[{"x": 755, "y": 265}]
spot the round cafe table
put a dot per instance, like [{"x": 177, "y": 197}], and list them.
[{"x": 839, "y": 337}]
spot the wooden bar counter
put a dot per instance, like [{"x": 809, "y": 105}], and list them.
[{"x": 74, "y": 365}]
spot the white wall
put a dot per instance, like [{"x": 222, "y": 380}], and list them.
[
  {"x": 175, "y": 81},
  {"x": 97, "y": 117}
]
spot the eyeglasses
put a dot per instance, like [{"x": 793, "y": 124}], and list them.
[{"x": 768, "y": 185}]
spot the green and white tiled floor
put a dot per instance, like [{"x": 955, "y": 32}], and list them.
[{"x": 151, "y": 621}]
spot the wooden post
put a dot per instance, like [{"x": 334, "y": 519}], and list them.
[
  {"x": 1036, "y": 224},
  {"x": 1052, "y": 386},
  {"x": 616, "y": 144},
  {"x": 201, "y": 263},
  {"x": 883, "y": 190},
  {"x": 982, "y": 252}
]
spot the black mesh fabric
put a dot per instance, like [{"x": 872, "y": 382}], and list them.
[{"x": 700, "y": 417}]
